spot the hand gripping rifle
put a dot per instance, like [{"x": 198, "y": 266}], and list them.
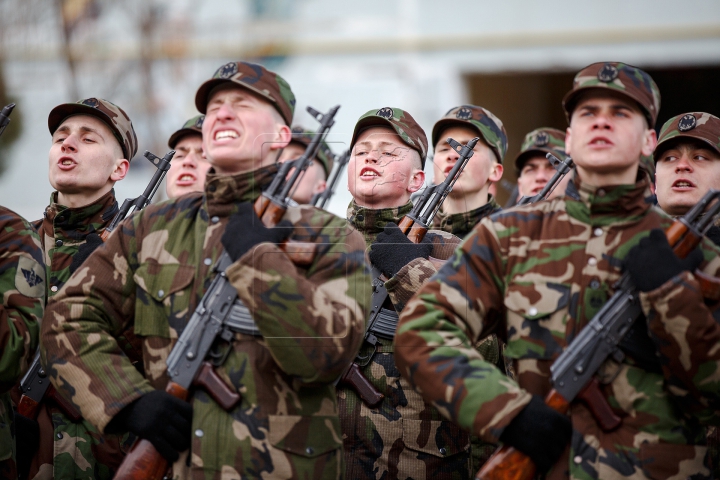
[
  {"x": 206, "y": 340},
  {"x": 321, "y": 199},
  {"x": 563, "y": 167},
  {"x": 35, "y": 385},
  {"x": 415, "y": 225},
  {"x": 573, "y": 373},
  {"x": 5, "y": 117}
]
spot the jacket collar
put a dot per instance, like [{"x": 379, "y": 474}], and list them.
[
  {"x": 224, "y": 192},
  {"x": 370, "y": 222},
  {"x": 462, "y": 223},
  {"x": 67, "y": 223}
]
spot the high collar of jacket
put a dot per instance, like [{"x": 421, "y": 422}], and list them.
[
  {"x": 224, "y": 192},
  {"x": 615, "y": 204},
  {"x": 370, "y": 221},
  {"x": 465, "y": 221},
  {"x": 63, "y": 222}
]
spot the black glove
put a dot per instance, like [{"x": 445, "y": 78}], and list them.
[
  {"x": 539, "y": 432},
  {"x": 245, "y": 230},
  {"x": 160, "y": 418},
  {"x": 393, "y": 250},
  {"x": 652, "y": 262},
  {"x": 92, "y": 241},
  {"x": 714, "y": 234},
  {"x": 27, "y": 438}
]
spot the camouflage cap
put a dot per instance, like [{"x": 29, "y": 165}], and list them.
[
  {"x": 399, "y": 120},
  {"x": 324, "y": 155},
  {"x": 541, "y": 141},
  {"x": 619, "y": 77},
  {"x": 697, "y": 125},
  {"x": 112, "y": 115},
  {"x": 255, "y": 78},
  {"x": 490, "y": 127},
  {"x": 191, "y": 127}
]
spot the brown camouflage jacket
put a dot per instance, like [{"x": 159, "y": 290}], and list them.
[
  {"x": 539, "y": 273},
  {"x": 311, "y": 319},
  {"x": 460, "y": 224}
]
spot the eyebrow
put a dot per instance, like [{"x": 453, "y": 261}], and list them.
[
  {"x": 381, "y": 144},
  {"x": 83, "y": 129}
]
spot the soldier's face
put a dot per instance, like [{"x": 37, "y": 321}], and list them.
[
  {"x": 534, "y": 175},
  {"x": 607, "y": 135},
  {"x": 241, "y": 131},
  {"x": 382, "y": 172},
  {"x": 481, "y": 169},
  {"x": 85, "y": 158},
  {"x": 683, "y": 174},
  {"x": 312, "y": 181},
  {"x": 188, "y": 167}
]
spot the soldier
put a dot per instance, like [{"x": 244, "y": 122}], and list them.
[
  {"x": 189, "y": 166},
  {"x": 314, "y": 180},
  {"x": 532, "y": 167},
  {"x": 22, "y": 285},
  {"x": 93, "y": 142},
  {"x": 541, "y": 272},
  {"x": 311, "y": 318},
  {"x": 402, "y": 437}
]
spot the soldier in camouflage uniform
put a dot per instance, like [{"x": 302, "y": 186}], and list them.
[
  {"x": 189, "y": 166},
  {"x": 540, "y": 272},
  {"x": 402, "y": 437},
  {"x": 22, "y": 287},
  {"x": 314, "y": 180},
  {"x": 532, "y": 167},
  {"x": 93, "y": 141},
  {"x": 311, "y": 318}
]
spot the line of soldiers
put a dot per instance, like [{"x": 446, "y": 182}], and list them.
[{"x": 477, "y": 311}]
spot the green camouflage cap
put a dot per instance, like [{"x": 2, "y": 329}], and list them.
[
  {"x": 255, "y": 78},
  {"x": 698, "y": 125},
  {"x": 112, "y": 115},
  {"x": 619, "y": 77},
  {"x": 541, "y": 141},
  {"x": 324, "y": 155},
  {"x": 490, "y": 127},
  {"x": 399, "y": 120},
  {"x": 191, "y": 127}
]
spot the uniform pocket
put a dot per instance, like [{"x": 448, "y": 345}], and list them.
[
  {"x": 306, "y": 436},
  {"x": 436, "y": 437},
  {"x": 668, "y": 460},
  {"x": 161, "y": 292}
]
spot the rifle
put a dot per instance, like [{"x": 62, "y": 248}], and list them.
[
  {"x": 563, "y": 167},
  {"x": 572, "y": 373},
  {"x": 220, "y": 314},
  {"x": 321, "y": 199},
  {"x": 35, "y": 385},
  {"x": 5, "y": 117},
  {"x": 382, "y": 321}
]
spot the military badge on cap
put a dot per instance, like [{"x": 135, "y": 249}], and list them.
[
  {"x": 541, "y": 139},
  {"x": 227, "y": 70},
  {"x": 607, "y": 73},
  {"x": 90, "y": 102},
  {"x": 199, "y": 121},
  {"x": 385, "y": 112},
  {"x": 297, "y": 130},
  {"x": 687, "y": 122},
  {"x": 464, "y": 114}
]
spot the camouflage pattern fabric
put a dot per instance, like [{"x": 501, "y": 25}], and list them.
[
  {"x": 72, "y": 450},
  {"x": 190, "y": 127},
  {"x": 112, "y": 115},
  {"x": 490, "y": 128},
  {"x": 403, "y": 437},
  {"x": 618, "y": 77},
  {"x": 694, "y": 125},
  {"x": 22, "y": 284},
  {"x": 411, "y": 133},
  {"x": 460, "y": 224},
  {"x": 312, "y": 320},
  {"x": 325, "y": 156},
  {"x": 256, "y": 78},
  {"x": 541, "y": 141},
  {"x": 539, "y": 273}
]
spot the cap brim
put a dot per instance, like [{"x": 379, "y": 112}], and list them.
[
  {"x": 203, "y": 93},
  {"x": 679, "y": 138},
  {"x": 445, "y": 123},
  {"x": 177, "y": 136},
  {"x": 523, "y": 157},
  {"x": 570, "y": 99},
  {"x": 61, "y": 112}
]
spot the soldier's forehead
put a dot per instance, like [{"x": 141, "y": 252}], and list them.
[
  {"x": 592, "y": 97},
  {"x": 235, "y": 91},
  {"x": 537, "y": 159},
  {"x": 88, "y": 121},
  {"x": 380, "y": 134},
  {"x": 189, "y": 140}
]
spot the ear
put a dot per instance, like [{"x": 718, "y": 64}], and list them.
[
  {"x": 416, "y": 181},
  {"x": 283, "y": 135},
  {"x": 121, "y": 168},
  {"x": 496, "y": 172},
  {"x": 319, "y": 187},
  {"x": 649, "y": 142},
  {"x": 568, "y": 132}
]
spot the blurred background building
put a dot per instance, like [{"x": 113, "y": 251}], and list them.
[{"x": 514, "y": 57}]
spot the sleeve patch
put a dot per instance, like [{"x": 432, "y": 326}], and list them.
[{"x": 30, "y": 278}]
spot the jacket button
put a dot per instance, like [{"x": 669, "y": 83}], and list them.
[
  {"x": 592, "y": 261},
  {"x": 598, "y": 231},
  {"x": 532, "y": 311},
  {"x": 215, "y": 219},
  {"x": 58, "y": 243},
  {"x": 577, "y": 459},
  {"x": 360, "y": 218},
  {"x": 199, "y": 433},
  {"x": 309, "y": 450},
  {"x": 59, "y": 436},
  {"x": 161, "y": 293},
  {"x": 207, "y": 261},
  {"x": 443, "y": 452},
  {"x": 54, "y": 288}
]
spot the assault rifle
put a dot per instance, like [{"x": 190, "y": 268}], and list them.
[
  {"x": 5, "y": 117},
  {"x": 321, "y": 199},
  {"x": 563, "y": 167},
  {"x": 35, "y": 385},
  {"x": 573, "y": 372},
  {"x": 415, "y": 225},
  {"x": 220, "y": 314}
]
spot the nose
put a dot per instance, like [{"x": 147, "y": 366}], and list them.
[
  {"x": 190, "y": 160},
  {"x": 69, "y": 144},
  {"x": 602, "y": 121},
  {"x": 684, "y": 164},
  {"x": 373, "y": 156},
  {"x": 225, "y": 112}
]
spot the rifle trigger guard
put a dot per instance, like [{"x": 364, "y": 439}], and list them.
[
  {"x": 217, "y": 358},
  {"x": 363, "y": 361}
]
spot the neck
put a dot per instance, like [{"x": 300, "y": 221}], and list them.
[
  {"x": 244, "y": 165},
  {"x": 626, "y": 176},
  {"x": 82, "y": 199},
  {"x": 364, "y": 203},
  {"x": 465, "y": 203}
]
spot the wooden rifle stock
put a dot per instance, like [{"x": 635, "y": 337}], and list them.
[{"x": 300, "y": 253}]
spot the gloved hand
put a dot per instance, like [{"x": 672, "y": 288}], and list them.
[
  {"x": 160, "y": 418},
  {"x": 652, "y": 262},
  {"x": 27, "y": 438},
  {"x": 92, "y": 241},
  {"x": 245, "y": 230},
  {"x": 540, "y": 433},
  {"x": 393, "y": 250}
]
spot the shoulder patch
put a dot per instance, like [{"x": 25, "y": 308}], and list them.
[{"x": 30, "y": 278}]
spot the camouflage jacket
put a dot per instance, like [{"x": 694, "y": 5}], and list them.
[
  {"x": 403, "y": 437},
  {"x": 22, "y": 284},
  {"x": 312, "y": 321},
  {"x": 539, "y": 273},
  {"x": 72, "y": 450},
  {"x": 461, "y": 224}
]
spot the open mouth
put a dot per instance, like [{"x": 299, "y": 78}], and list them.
[
  {"x": 368, "y": 173},
  {"x": 682, "y": 184},
  {"x": 223, "y": 134},
  {"x": 66, "y": 163},
  {"x": 601, "y": 142},
  {"x": 186, "y": 179}
]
